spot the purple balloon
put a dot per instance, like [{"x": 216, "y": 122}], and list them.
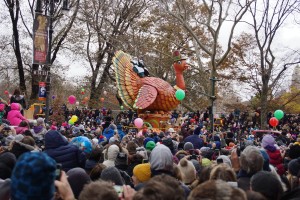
[{"x": 53, "y": 97}]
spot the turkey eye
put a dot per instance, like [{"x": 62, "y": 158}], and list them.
[{"x": 179, "y": 62}]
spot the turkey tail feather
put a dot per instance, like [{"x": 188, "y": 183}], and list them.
[{"x": 125, "y": 78}]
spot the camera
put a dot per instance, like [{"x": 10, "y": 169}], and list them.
[{"x": 193, "y": 157}]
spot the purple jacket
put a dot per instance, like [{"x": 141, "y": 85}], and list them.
[{"x": 14, "y": 116}]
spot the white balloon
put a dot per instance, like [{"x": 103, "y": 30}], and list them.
[
  {"x": 77, "y": 103},
  {"x": 105, "y": 93}
]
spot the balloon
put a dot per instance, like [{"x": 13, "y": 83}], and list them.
[
  {"x": 77, "y": 103},
  {"x": 121, "y": 107},
  {"x": 53, "y": 96},
  {"x": 179, "y": 94},
  {"x": 105, "y": 93},
  {"x": 278, "y": 114},
  {"x": 138, "y": 122},
  {"x": 85, "y": 99},
  {"x": 273, "y": 122},
  {"x": 6, "y": 92},
  {"x": 82, "y": 90},
  {"x": 71, "y": 122},
  {"x": 74, "y": 118},
  {"x": 72, "y": 99},
  {"x": 83, "y": 143},
  {"x": 64, "y": 124},
  {"x": 101, "y": 99},
  {"x": 83, "y": 102},
  {"x": 9, "y": 95}
]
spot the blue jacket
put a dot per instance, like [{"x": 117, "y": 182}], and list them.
[
  {"x": 58, "y": 148},
  {"x": 195, "y": 140},
  {"x": 109, "y": 131},
  {"x": 120, "y": 131}
]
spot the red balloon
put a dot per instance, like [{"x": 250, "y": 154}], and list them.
[
  {"x": 101, "y": 99},
  {"x": 6, "y": 92},
  {"x": 273, "y": 122},
  {"x": 82, "y": 92}
]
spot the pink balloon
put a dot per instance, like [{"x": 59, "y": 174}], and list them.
[
  {"x": 140, "y": 134},
  {"x": 138, "y": 122},
  {"x": 72, "y": 99}
]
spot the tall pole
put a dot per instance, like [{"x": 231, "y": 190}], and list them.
[{"x": 48, "y": 79}]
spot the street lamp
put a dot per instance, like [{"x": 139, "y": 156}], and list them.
[{"x": 48, "y": 6}]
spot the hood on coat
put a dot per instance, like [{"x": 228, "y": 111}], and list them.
[
  {"x": 15, "y": 106},
  {"x": 54, "y": 139}
]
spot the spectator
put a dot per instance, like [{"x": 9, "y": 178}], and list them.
[
  {"x": 195, "y": 139},
  {"x": 14, "y": 116},
  {"x": 18, "y": 98},
  {"x": 69, "y": 155},
  {"x": 267, "y": 184},
  {"x": 251, "y": 162},
  {"x": 92, "y": 191},
  {"x": 78, "y": 178},
  {"x": 141, "y": 174},
  {"x": 217, "y": 190}
]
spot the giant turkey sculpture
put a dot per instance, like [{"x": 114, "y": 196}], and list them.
[{"x": 147, "y": 93}]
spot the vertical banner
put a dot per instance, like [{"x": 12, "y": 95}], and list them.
[
  {"x": 42, "y": 91},
  {"x": 40, "y": 39}
]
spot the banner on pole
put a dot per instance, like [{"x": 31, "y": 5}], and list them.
[
  {"x": 42, "y": 91},
  {"x": 40, "y": 39}
]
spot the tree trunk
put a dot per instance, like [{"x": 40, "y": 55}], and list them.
[
  {"x": 264, "y": 107},
  {"x": 14, "y": 18}
]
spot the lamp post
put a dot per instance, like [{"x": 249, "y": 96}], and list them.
[{"x": 48, "y": 6}]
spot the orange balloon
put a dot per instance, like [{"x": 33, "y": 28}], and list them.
[
  {"x": 101, "y": 99},
  {"x": 86, "y": 99}
]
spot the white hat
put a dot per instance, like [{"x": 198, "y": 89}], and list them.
[{"x": 171, "y": 130}]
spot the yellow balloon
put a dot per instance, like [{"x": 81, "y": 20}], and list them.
[{"x": 74, "y": 118}]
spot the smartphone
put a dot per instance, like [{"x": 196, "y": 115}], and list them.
[
  {"x": 119, "y": 190},
  {"x": 58, "y": 171}
]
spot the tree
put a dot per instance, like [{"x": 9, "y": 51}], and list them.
[
  {"x": 107, "y": 23},
  {"x": 261, "y": 64},
  {"x": 204, "y": 21}
]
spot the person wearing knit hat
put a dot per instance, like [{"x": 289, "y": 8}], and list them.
[
  {"x": 188, "y": 146},
  {"x": 111, "y": 155},
  {"x": 146, "y": 140},
  {"x": 112, "y": 174},
  {"x": 205, "y": 162},
  {"x": 161, "y": 160},
  {"x": 294, "y": 167},
  {"x": 7, "y": 163},
  {"x": 268, "y": 140},
  {"x": 33, "y": 177},
  {"x": 141, "y": 173},
  {"x": 78, "y": 178},
  {"x": 150, "y": 145},
  {"x": 187, "y": 170}
]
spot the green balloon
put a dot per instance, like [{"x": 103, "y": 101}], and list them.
[
  {"x": 180, "y": 94},
  {"x": 71, "y": 122},
  {"x": 121, "y": 107},
  {"x": 278, "y": 114},
  {"x": 82, "y": 89}
]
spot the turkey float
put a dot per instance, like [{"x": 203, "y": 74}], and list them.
[{"x": 152, "y": 97}]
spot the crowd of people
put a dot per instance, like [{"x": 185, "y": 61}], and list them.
[{"x": 106, "y": 157}]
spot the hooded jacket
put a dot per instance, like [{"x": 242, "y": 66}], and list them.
[
  {"x": 109, "y": 131},
  {"x": 14, "y": 116},
  {"x": 58, "y": 148}
]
